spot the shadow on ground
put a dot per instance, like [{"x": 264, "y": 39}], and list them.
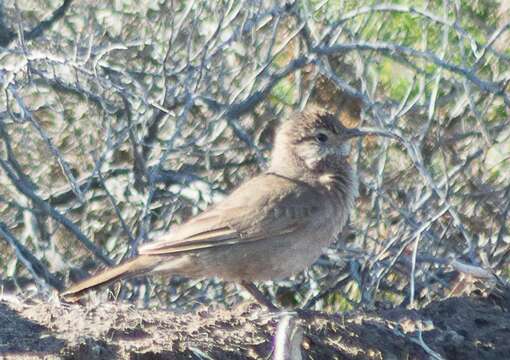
[
  {"x": 20, "y": 336},
  {"x": 475, "y": 327}
]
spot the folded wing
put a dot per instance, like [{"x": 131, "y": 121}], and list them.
[{"x": 264, "y": 207}]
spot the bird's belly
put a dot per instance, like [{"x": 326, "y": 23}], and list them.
[{"x": 280, "y": 258}]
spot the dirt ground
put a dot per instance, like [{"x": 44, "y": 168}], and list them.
[{"x": 474, "y": 327}]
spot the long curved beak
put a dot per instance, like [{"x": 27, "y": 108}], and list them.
[{"x": 352, "y": 132}]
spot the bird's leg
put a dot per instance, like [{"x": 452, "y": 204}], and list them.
[{"x": 252, "y": 289}]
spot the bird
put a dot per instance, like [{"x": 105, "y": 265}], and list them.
[{"x": 272, "y": 226}]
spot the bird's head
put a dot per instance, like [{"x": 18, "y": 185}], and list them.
[{"x": 312, "y": 141}]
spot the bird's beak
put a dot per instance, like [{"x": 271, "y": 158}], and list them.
[{"x": 352, "y": 132}]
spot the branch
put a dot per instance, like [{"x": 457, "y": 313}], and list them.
[
  {"x": 390, "y": 48},
  {"x": 26, "y": 190},
  {"x": 9, "y": 36},
  {"x": 34, "y": 266}
]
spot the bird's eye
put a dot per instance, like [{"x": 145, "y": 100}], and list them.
[{"x": 321, "y": 137}]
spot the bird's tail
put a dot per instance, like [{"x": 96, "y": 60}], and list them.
[{"x": 136, "y": 266}]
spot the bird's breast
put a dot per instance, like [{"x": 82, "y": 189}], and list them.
[{"x": 341, "y": 190}]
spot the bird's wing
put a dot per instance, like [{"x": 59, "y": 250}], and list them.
[{"x": 262, "y": 208}]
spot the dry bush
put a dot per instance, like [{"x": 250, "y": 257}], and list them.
[{"x": 118, "y": 120}]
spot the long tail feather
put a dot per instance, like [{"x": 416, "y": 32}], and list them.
[{"x": 136, "y": 266}]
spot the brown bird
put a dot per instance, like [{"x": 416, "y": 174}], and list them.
[{"x": 272, "y": 226}]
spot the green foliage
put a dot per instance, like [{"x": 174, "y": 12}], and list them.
[{"x": 284, "y": 92}]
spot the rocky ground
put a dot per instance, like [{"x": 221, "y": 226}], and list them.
[{"x": 471, "y": 327}]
